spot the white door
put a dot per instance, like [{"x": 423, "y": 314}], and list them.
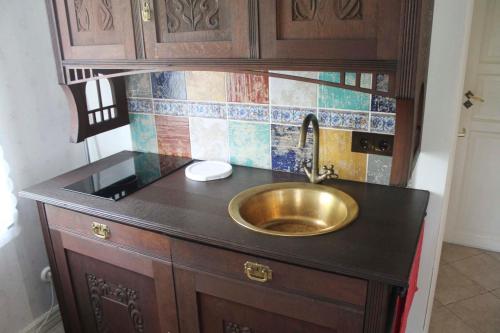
[{"x": 474, "y": 213}]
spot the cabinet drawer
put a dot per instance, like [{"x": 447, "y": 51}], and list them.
[
  {"x": 289, "y": 278},
  {"x": 136, "y": 239}
]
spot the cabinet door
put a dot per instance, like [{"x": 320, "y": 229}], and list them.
[
  {"x": 198, "y": 29},
  {"x": 329, "y": 29},
  {"x": 208, "y": 303},
  {"x": 96, "y": 29},
  {"x": 109, "y": 289}
]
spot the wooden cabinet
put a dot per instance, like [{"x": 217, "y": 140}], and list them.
[
  {"x": 217, "y": 294},
  {"x": 114, "y": 278},
  {"x": 316, "y": 29},
  {"x": 95, "y": 29},
  {"x": 197, "y": 29},
  {"x": 121, "y": 284}
]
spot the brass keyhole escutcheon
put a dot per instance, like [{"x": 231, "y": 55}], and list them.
[
  {"x": 258, "y": 272},
  {"x": 146, "y": 12}
]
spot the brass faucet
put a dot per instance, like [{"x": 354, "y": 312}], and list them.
[{"x": 313, "y": 173}]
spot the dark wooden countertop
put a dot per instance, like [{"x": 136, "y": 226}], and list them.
[{"x": 379, "y": 245}]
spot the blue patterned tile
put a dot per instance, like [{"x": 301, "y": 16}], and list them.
[
  {"x": 289, "y": 115},
  {"x": 248, "y": 112},
  {"x": 284, "y": 152},
  {"x": 169, "y": 85},
  {"x": 207, "y": 110},
  {"x": 338, "y": 98},
  {"x": 383, "y": 123},
  {"x": 379, "y": 169},
  {"x": 383, "y": 82},
  {"x": 383, "y": 104},
  {"x": 138, "y": 85},
  {"x": 344, "y": 119},
  {"x": 249, "y": 144},
  {"x": 143, "y": 130},
  {"x": 170, "y": 108},
  {"x": 140, "y": 105},
  {"x": 350, "y": 79}
]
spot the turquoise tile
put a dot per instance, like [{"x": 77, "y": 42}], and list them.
[
  {"x": 143, "y": 131},
  {"x": 330, "y": 76},
  {"x": 338, "y": 98},
  {"x": 350, "y": 79},
  {"x": 249, "y": 144}
]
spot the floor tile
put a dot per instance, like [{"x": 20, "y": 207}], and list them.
[
  {"x": 293, "y": 93},
  {"x": 437, "y": 305},
  {"x": 496, "y": 292},
  {"x": 480, "y": 312},
  {"x": 169, "y": 85},
  {"x": 249, "y": 144},
  {"x": 143, "y": 130},
  {"x": 335, "y": 148},
  {"x": 379, "y": 169},
  {"x": 453, "y": 252},
  {"x": 444, "y": 321},
  {"x": 138, "y": 85},
  {"x": 206, "y": 86},
  {"x": 209, "y": 139},
  {"x": 495, "y": 255},
  {"x": 173, "y": 135},
  {"x": 453, "y": 286},
  {"x": 247, "y": 88},
  {"x": 483, "y": 269}
]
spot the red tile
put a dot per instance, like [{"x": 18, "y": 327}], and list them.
[
  {"x": 173, "y": 136},
  {"x": 247, "y": 88}
]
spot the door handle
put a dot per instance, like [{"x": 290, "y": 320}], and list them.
[{"x": 462, "y": 133}]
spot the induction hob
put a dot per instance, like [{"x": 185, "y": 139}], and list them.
[{"x": 129, "y": 176}]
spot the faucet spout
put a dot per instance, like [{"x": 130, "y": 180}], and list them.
[{"x": 313, "y": 173}]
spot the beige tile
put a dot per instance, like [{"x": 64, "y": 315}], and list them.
[
  {"x": 483, "y": 269},
  {"x": 444, "y": 321},
  {"x": 453, "y": 252},
  {"x": 496, "y": 292},
  {"x": 453, "y": 286},
  {"x": 437, "y": 305},
  {"x": 209, "y": 139},
  {"x": 495, "y": 255},
  {"x": 206, "y": 86},
  {"x": 481, "y": 312},
  {"x": 294, "y": 93}
]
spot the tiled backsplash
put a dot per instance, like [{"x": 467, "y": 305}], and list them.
[{"x": 253, "y": 120}]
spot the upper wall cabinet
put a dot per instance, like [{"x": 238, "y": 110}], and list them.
[
  {"x": 330, "y": 29},
  {"x": 96, "y": 29},
  {"x": 196, "y": 29}
]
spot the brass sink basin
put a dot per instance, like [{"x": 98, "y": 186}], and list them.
[{"x": 293, "y": 209}]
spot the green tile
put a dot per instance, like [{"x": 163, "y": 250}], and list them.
[
  {"x": 343, "y": 99},
  {"x": 143, "y": 131},
  {"x": 249, "y": 144}
]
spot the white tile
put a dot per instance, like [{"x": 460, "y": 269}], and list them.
[
  {"x": 209, "y": 139},
  {"x": 294, "y": 93}
]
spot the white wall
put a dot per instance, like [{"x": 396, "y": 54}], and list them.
[
  {"x": 34, "y": 133},
  {"x": 451, "y": 29}
]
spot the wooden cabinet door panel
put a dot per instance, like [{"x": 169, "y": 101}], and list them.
[
  {"x": 114, "y": 290},
  {"x": 209, "y": 303},
  {"x": 96, "y": 29},
  {"x": 333, "y": 29},
  {"x": 198, "y": 29}
]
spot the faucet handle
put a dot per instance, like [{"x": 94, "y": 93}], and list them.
[
  {"x": 305, "y": 163},
  {"x": 330, "y": 172}
]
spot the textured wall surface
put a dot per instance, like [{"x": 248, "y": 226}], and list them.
[
  {"x": 34, "y": 134},
  {"x": 253, "y": 120}
]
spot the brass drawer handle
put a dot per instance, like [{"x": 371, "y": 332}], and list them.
[
  {"x": 101, "y": 230},
  {"x": 258, "y": 272}
]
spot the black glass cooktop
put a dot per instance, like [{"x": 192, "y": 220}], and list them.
[{"x": 126, "y": 177}]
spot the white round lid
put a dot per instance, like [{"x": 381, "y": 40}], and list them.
[{"x": 208, "y": 170}]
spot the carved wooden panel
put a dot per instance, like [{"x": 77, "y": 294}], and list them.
[
  {"x": 96, "y": 29},
  {"x": 192, "y": 15},
  {"x": 201, "y": 29},
  {"x": 100, "y": 288},
  {"x": 330, "y": 29},
  {"x": 230, "y": 327}
]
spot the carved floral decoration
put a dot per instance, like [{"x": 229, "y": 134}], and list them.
[
  {"x": 309, "y": 10},
  {"x": 192, "y": 15}
]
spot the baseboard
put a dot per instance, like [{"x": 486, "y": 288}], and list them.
[
  {"x": 54, "y": 318},
  {"x": 480, "y": 241}
]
